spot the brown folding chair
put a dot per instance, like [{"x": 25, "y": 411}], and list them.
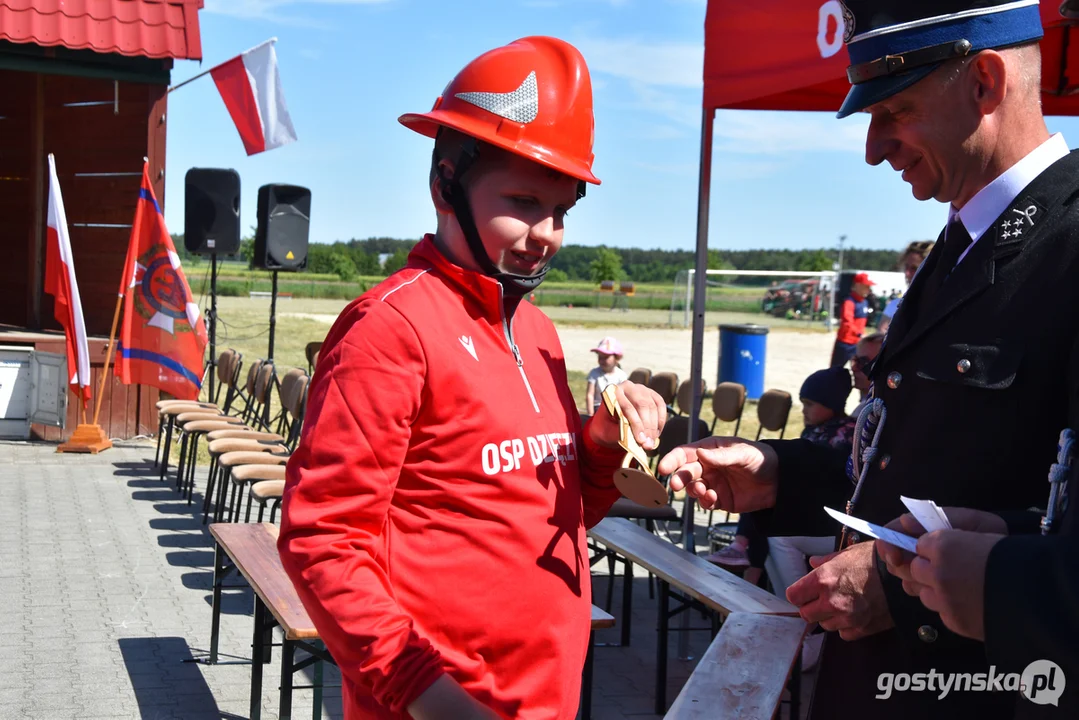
[
  {"x": 773, "y": 409},
  {"x": 666, "y": 384},
  {"x": 229, "y": 364},
  {"x": 641, "y": 376},
  {"x": 684, "y": 398},
  {"x": 311, "y": 352},
  {"x": 728, "y": 402}
]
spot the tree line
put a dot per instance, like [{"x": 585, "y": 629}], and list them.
[{"x": 353, "y": 258}]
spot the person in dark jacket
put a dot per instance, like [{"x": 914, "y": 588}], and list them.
[
  {"x": 974, "y": 382},
  {"x": 1010, "y": 581}
]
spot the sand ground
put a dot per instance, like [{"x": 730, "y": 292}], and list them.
[{"x": 791, "y": 354}]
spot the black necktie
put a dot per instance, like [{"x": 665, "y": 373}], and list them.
[{"x": 956, "y": 240}]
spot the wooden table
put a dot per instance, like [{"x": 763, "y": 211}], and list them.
[
  {"x": 252, "y": 550},
  {"x": 697, "y": 582}
]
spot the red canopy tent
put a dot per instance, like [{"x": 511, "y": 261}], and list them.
[{"x": 790, "y": 55}]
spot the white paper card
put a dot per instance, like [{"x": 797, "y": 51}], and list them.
[
  {"x": 928, "y": 514},
  {"x": 906, "y": 542}
]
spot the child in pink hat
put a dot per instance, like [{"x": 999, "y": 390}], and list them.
[{"x": 607, "y": 372}]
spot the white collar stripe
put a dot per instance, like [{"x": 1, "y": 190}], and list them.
[{"x": 986, "y": 207}]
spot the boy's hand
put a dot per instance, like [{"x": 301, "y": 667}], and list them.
[{"x": 643, "y": 408}]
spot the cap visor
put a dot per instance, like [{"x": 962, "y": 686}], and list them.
[{"x": 870, "y": 93}]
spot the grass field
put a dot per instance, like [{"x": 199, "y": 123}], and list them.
[
  {"x": 239, "y": 282},
  {"x": 244, "y": 326}
]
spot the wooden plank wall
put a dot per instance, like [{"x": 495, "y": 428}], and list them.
[
  {"x": 99, "y": 133},
  {"x": 99, "y": 151},
  {"x": 16, "y": 105}
]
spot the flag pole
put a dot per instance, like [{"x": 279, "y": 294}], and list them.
[
  {"x": 207, "y": 72},
  {"x": 108, "y": 356}
]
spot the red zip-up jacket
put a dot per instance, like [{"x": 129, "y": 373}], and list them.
[
  {"x": 852, "y": 320},
  {"x": 435, "y": 510}
]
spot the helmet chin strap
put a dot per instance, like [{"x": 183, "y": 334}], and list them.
[{"x": 513, "y": 285}]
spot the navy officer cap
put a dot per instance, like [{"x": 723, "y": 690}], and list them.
[{"x": 895, "y": 43}]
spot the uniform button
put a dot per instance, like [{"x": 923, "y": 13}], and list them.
[
  {"x": 884, "y": 461},
  {"x": 963, "y": 365},
  {"x": 927, "y": 633},
  {"x": 894, "y": 379}
]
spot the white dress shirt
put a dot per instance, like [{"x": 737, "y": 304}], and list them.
[{"x": 987, "y": 205}]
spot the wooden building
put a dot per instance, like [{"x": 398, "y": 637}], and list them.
[{"x": 84, "y": 80}]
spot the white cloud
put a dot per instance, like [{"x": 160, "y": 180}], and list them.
[
  {"x": 662, "y": 64},
  {"x": 665, "y": 79},
  {"x": 783, "y": 133}
]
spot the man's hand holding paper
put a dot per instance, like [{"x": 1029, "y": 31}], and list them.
[{"x": 947, "y": 570}]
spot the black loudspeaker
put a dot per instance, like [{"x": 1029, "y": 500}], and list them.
[
  {"x": 284, "y": 214},
  {"x": 212, "y": 211}
]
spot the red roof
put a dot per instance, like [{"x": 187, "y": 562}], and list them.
[{"x": 139, "y": 28}]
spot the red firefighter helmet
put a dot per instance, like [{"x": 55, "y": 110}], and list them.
[{"x": 532, "y": 97}]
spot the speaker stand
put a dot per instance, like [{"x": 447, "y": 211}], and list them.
[
  {"x": 213, "y": 322},
  {"x": 273, "y": 326},
  {"x": 273, "y": 315}
]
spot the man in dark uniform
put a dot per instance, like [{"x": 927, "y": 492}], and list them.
[
  {"x": 997, "y": 579},
  {"x": 969, "y": 393}
]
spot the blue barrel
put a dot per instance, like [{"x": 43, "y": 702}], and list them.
[{"x": 742, "y": 350}]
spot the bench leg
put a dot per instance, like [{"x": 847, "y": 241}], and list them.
[
  {"x": 586, "y": 682},
  {"x": 260, "y": 656},
  {"x": 316, "y": 710},
  {"x": 661, "y": 650},
  {"x": 610, "y": 578},
  {"x": 796, "y": 688},
  {"x": 215, "y": 623},
  {"x": 627, "y": 601},
  {"x": 288, "y": 653}
]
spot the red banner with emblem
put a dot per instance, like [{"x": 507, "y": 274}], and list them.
[
  {"x": 790, "y": 55},
  {"x": 163, "y": 336}
]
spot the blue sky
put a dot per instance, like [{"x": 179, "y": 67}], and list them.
[{"x": 349, "y": 68}]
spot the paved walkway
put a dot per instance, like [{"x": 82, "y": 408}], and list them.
[{"x": 108, "y": 573}]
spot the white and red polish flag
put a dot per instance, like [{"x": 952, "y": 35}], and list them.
[
  {"x": 251, "y": 88},
  {"x": 60, "y": 283}
]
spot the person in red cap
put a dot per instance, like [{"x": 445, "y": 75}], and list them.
[
  {"x": 852, "y": 320},
  {"x": 434, "y": 513}
]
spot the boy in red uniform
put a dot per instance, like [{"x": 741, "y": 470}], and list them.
[
  {"x": 435, "y": 510},
  {"x": 852, "y": 320}
]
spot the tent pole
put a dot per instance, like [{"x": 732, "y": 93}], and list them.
[{"x": 700, "y": 279}]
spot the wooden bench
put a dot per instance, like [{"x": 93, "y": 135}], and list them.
[
  {"x": 251, "y": 549},
  {"x": 697, "y": 582},
  {"x": 744, "y": 671}
]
